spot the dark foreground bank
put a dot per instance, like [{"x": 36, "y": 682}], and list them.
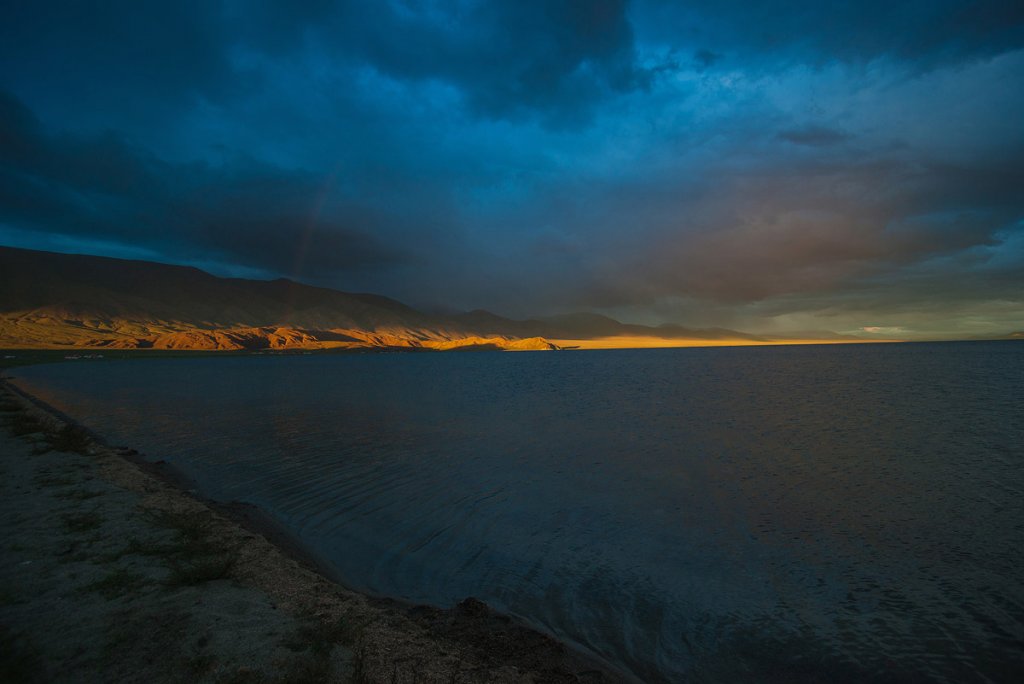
[{"x": 113, "y": 572}]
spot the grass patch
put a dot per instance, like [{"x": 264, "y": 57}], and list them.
[
  {"x": 51, "y": 480},
  {"x": 320, "y": 636},
  {"x": 82, "y": 522},
  {"x": 77, "y": 494},
  {"x": 192, "y": 558},
  {"x": 201, "y": 665},
  {"x": 21, "y": 424},
  {"x": 140, "y": 639},
  {"x": 242, "y": 676},
  {"x": 200, "y": 570},
  {"x": 294, "y": 671},
  {"x": 117, "y": 583},
  {"x": 191, "y": 533},
  {"x": 7, "y": 598},
  {"x": 19, "y": 659},
  {"x": 73, "y": 556},
  {"x": 70, "y": 438},
  {"x": 137, "y": 547},
  {"x": 304, "y": 671},
  {"x": 359, "y": 674},
  {"x": 191, "y": 527}
]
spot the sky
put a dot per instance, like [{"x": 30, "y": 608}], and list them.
[{"x": 772, "y": 167}]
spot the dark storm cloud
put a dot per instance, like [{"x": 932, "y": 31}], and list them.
[
  {"x": 812, "y": 135},
  {"x": 922, "y": 33},
  {"x": 704, "y": 58},
  {"x": 102, "y": 188},
  {"x": 742, "y": 162},
  {"x": 508, "y": 59},
  {"x": 150, "y": 60},
  {"x": 803, "y": 228}
]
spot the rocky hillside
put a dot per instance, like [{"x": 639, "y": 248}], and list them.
[{"x": 50, "y": 300}]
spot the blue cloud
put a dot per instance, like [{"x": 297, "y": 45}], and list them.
[{"x": 728, "y": 161}]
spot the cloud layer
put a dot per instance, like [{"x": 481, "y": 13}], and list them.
[{"x": 847, "y": 167}]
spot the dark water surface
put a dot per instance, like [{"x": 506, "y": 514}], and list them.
[{"x": 825, "y": 513}]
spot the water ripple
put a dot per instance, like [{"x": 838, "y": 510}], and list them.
[{"x": 812, "y": 514}]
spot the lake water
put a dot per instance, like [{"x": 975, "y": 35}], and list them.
[{"x": 820, "y": 513}]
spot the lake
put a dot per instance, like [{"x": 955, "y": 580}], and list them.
[{"x": 802, "y": 513}]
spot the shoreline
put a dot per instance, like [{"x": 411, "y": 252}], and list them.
[
  {"x": 470, "y": 345},
  {"x": 396, "y": 641}
]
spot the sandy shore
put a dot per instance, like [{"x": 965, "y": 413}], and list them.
[{"x": 113, "y": 572}]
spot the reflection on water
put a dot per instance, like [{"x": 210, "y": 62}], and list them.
[{"x": 775, "y": 514}]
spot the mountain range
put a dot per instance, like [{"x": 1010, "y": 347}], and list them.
[{"x": 54, "y": 300}]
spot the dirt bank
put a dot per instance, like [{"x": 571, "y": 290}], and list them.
[{"x": 111, "y": 572}]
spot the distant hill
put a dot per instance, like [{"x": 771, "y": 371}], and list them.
[
  {"x": 589, "y": 326},
  {"x": 62, "y": 300},
  {"x": 50, "y": 300},
  {"x": 1018, "y": 335}
]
